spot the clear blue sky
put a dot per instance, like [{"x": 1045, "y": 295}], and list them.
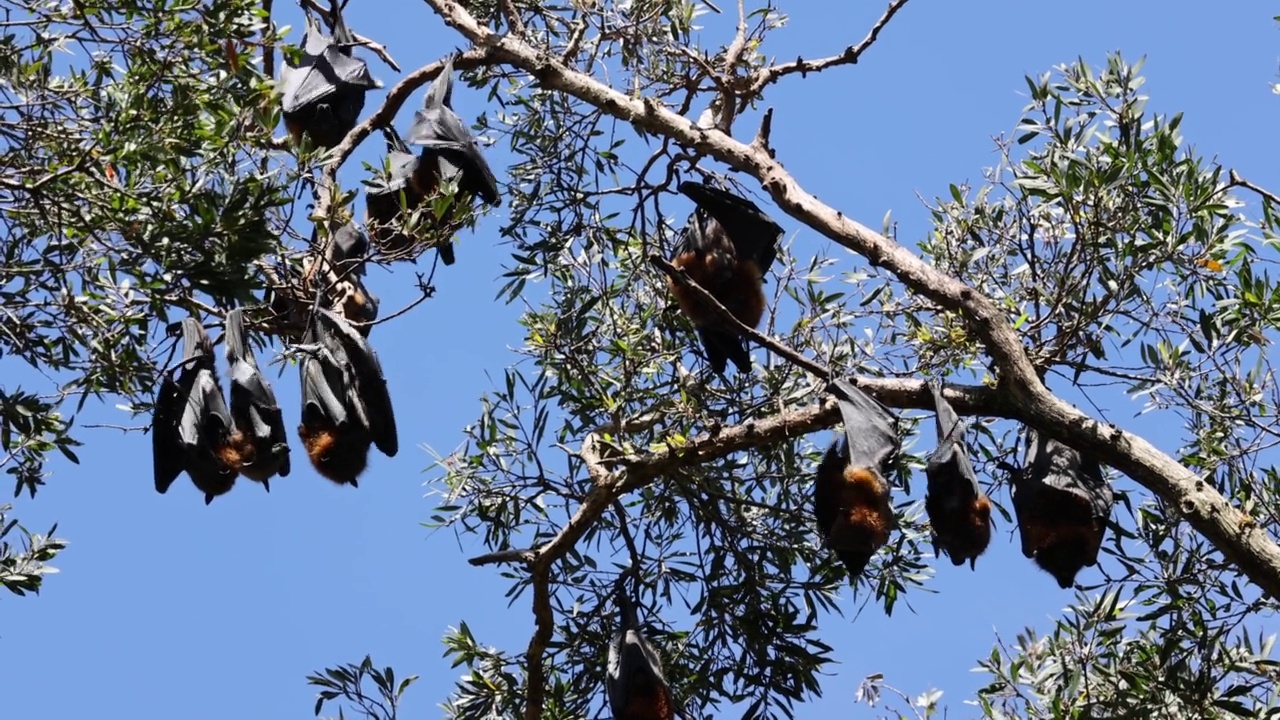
[{"x": 166, "y": 608}]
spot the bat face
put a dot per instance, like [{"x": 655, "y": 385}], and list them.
[
  {"x": 959, "y": 513},
  {"x": 634, "y": 681},
  {"x": 725, "y": 248},
  {"x": 345, "y": 403},
  {"x": 325, "y": 93},
  {"x": 260, "y": 437},
  {"x": 449, "y": 152},
  {"x": 192, "y": 429},
  {"x": 1062, "y": 502}
]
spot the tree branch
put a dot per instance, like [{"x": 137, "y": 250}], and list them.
[
  {"x": 769, "y": 75},
  {"x": 1231, "y": 531}
]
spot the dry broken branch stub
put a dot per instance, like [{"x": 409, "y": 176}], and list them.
[{"x": 1246, "y": 545}]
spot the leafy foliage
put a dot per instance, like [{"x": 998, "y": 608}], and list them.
[{"x": 139, "y": 181}]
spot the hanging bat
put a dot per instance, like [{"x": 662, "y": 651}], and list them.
[
  {"x": 634, "y": 682},
  {"x": 851, "y": 495},
  {"x": 260, "y": 437},
  {"x": 191, "y": 428},
  {"x": 1062, "y": 502},
  {"x": 345, "y": 402},
  {"x": 382, "y": 197},
  {"x": 449, "y": 152},
  {"x": 958, "y": 510},
  {"x": 726, "y": 247},
  {"x": 343, "y": 273},
  {"x": 324, "y": 93}
]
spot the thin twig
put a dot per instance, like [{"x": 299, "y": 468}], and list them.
[
  {"x": 766, "y": 76},
  {"x": 815, "y": 368},
  {"x": 1234, "y": 180}
]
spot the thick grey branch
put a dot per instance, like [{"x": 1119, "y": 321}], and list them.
[{"x": 1231, "y": 531}]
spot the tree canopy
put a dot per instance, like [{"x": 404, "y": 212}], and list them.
[{"x": 1103, "y": 268}]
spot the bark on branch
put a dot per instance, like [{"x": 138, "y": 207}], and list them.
[{"x": 1231, "y": 531}]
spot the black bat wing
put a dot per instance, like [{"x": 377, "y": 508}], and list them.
[
  {"x": 370, "y": 395},
  {"x": 948, "y": 469},
  {"x": 168, "y": 457},
  {"x": 630, "y": 654},
  {"x": 254, "y": 407},
  {"x": 325, "y": 381},
  {"x": 1059, "y": 466},
  {"x": 349, "y": 244},
  {"x": 448, "y": 140},
  {"x": 754, "y": 234},
  {"x": 870, "y": 429}
]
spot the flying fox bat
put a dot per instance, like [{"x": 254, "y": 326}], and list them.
[
  {"x": 1062, "y": 502},
  {"x": 958, "y": 510},
  {"x": 382, "y": 197},
  {"x": 726, "y": 247},
  {"x": 324, "y": 93},
  {"x": 345, "y": 402},
  {"x": 449, "y": 152},
  {"x": 634, "y": 682},
  {"x": 259, "y": 436},
  {"x": 851, "y": 494},
  {"x": 343, "y": 274},
  {"x": 191, "y": 428}
]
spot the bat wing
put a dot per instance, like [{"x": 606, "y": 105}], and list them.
[
  {"x": 448, "y": 140},
  {"x": 440, "y": 94},
  {"x": 948, "y": 468},
  {"x": 1056, "y": 465},
  {"x": 168, "y": 457},
  {"x": 826, "y": 488},
  {"x": 754, "y": 234},
  {"x": 254, "y": 407},
  {"x": 324, "y": 382},
  {"x": 349, "y": 243},
  {"x": 371, "y": 396},
  {"x": 870, "y": 429},
  {"x": 630, "y": 655}
]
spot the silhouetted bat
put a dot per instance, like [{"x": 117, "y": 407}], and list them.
[
  {"x": 343, "y": 274},
  {"x": 345, "y": 402},
  {"x": 191, "y": 429},
  {"x": 449, "y": 151},
  {"x": 1062, "y": 502},
  {"x": 727, "y": 246},
  {"x": 958, "y": 510},
  {"x": 324, "y": 94},
  {"x": 260, "y": 438},
  {"x": 382, "y": 196},
  {"x": 634, "y": 682},
  {"x": 851, "y": 494}
]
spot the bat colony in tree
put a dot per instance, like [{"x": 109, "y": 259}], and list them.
[{"x": 1061, "y": 498}]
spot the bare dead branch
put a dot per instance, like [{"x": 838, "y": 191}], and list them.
[
  {"x": 766, "y": 76},
  {"x": 1234, "y": 180}
]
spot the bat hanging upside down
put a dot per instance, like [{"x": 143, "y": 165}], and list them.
[
  {"x": 959, "y": 512},
  {"x": 449, "y": 154},
  {"x": 726, "y": 248},
  {"x": 191, "y": 429},
  {"x": 1062, "y": 501},
  {"x": 261, "y": 440},
  {"x": 851, "y": 495},
  {"x": 382, "y": 198},
  {"x": 324, "y": 94},
  {"x": 345, "y": 403},
  {"x": 634, "y": 682},
  {"x": 341, "y": 272}
]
